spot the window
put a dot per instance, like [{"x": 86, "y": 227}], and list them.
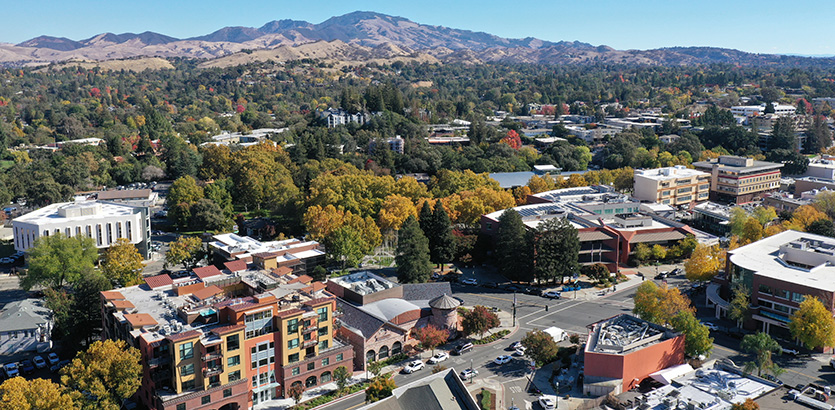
[
  {"x": 187, "y": 370},
  {"x": 233, "y": 376},
  {"x": 323, "y": 345},
  {"x": 489, "y": 226},
  {"x": 295, "y": 371},
  {"x": 206, "y": 399},
  {"x": 339, "y": 357},
  {"x": 181, "y": 406},
  {"x": 781, "y": 293},
  {"x": 705, "y": 186},
  {"x": 326, "y": 361},
  {"x": 797, "y": 297},
  {"x": 684, "y": 190},
  {"x": 292, "y": 344},
  {"x": 292, "y": 325},
  {"x": 259, "y": 323},
  {"x": 227, "y": 393},
  {"x": 311, "y": 366},
  {"x": 186, "y": 351},
  {"x": 765, "y": 289},
  {"x": 293, "y": 358},
  {"x": 233, "y": 361},
  {"x": 325, "y": 377},
  {"x": 323, "y": 331},
  {"x": 187, "y": 385},
  {"x": 232, "y": 343},
  {"x": 323, "y": 314},
  {"x": 307, "y": 337}
]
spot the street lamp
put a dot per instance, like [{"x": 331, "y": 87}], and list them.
[{"x": 472, "y": 371}]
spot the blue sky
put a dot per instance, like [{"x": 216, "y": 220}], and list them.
[{"x": 763, "y": 26}]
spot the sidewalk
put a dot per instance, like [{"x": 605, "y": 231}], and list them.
[{"x": 597, "y": 293}]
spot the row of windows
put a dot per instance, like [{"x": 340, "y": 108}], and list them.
[
  {"x": 782, "y": 293},
  {"x": 206, "y": 399},
  {"x": 312, "y": 365}
]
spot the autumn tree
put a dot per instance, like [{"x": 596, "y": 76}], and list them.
[
  {"x": 380, "y": 388},
  {"x": 57, "y": 259},
  {"x": 123, "y": 264},
  {"x": 479, "y": 320},
  {"x": 825, "y": 202},
  {"x": 763, "y": 347},
  {"x": 186, "y": 250},
  {"x": 431, "y": 337},
  {"x": 697, "y": 340},
  {"x": 659, "y": 304},
  {"x": 740, "y": 304},
  {"x": 296, "y": 391},
  {"x": 513, "y": 247},
  {"x": 394, "y": 211},
  {"x": 413, "y": 264},
  {"x": 748, "y": 404},
  {"x": 108, "y": 372},
  {"x": 703, "y": 263},
  {"x": 556, "y": 246},
  {"x": 541, "y": 347},
  {"x": 813, "y": 324},
  {"x": 803, "y": 216},
  {"x": 18, "y": 393},
  {"x": 752, "y": 231},
  {"x": 341, "y": 376}
]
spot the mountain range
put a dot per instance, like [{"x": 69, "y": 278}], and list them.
[{"x": 363, "y": 35}]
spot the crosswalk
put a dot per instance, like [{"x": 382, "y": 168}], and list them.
[{"x": 515, "y": 389}]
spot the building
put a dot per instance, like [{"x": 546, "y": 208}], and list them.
[
  {"x": 738, "y": 180},
  {"x": 244, "y": 140},
  {"x": 287, "y": 256},
  {"x": 133, "y": 197},
  {"x": 624, "y": 350},
  {"x": 394, "y": 144},
  {"x": 785, "y": 202},
  {"x": 378, "y": 315},
  {"x": 780, "y": 271},
  {"x": 25, "y": 326},
  {"x": 758, "y": 110},
  {"x": 823, "y": 167},
  {"x": 335, "y": 118},
  {"x": 226, "y": 339},
  {"x": 441, "y": 391},
  {"x": 806, "y": 184},
  {"x": 677, "y": 186},
  {"x": 105, "y": 222},
  {"x": 712, "y": 217}
]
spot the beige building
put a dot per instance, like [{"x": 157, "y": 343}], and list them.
[
  {"x": 675, "y": 186},
  {"x": 739, "y": 180}
]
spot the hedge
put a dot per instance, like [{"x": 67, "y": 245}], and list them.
[{"x": 492, "y": 338}]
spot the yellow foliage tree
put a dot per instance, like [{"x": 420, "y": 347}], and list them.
[
  {"x": 18, "y": 393},
  {"x": 108, "y": 372},
  {"x": 813, "y": 324},
  {"x": 660, "y": 304},
  {"x": 803, "y": 216},
  {"x": 395, "y": 210},
  {"x": 703, "y": 264},
  {"x": 539, "y": 184},
  {"x": 123, "y": 263}
]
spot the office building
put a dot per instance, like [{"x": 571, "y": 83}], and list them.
[
  {"x": 677, "y": 186},
  {"x": 739, "y": 180}
]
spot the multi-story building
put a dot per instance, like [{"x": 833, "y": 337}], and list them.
[
  {"x": 757, "y": 110},
  {"x": 226, "y": 340},
  {"x": 286, "y": 256},
  {"x": 740, "y": 180},
  {"x": 393, "y": 144},
  {"x": 823, "y": 167},
  {"x": 105, "y": 222},
  {"x": 677, "y": 186},
  {"x": 779, "y": 272}
]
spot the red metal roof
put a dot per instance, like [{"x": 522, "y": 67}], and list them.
[
  {"x": 206, "y": 293},
  {"x": 236, "y": 265},
  {"x": 140, "y": 319},
  {"x": 159, "y": 281},
  {"x": 112, "y": 295},
  {"x": 206, "y": 271},
  {"x": 302, "y": 279}
]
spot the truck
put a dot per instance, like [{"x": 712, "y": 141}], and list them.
[{"x": 558, "y": 334}]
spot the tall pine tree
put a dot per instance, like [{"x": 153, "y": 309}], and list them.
[
  {"x": 557, "y": 246},
  {"x": 513, "y": 247},
  {"x": 413, "y": 265},
  {"x": 441, "y": 240},
  {"x": 426, "y": 218}
]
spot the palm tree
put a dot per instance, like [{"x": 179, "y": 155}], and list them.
[{"x": 762, "y": 345}]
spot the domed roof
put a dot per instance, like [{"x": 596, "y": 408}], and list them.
[{"x": 444, "y": 302}]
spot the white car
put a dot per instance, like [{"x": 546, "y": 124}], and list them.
[
  {"x": 53, "y": 358},
  {"x": 469, "y": 281},
  {"x": 413, "y": 366},
  {"x": 711, "y": 326},
  {"x": 11, "y": 370},
  {"x": 552, "y": 295},
  {"x": 503, "y": 359},
  {"x": 520, "y": 351},
  {"x": 438, "y": 357},
  {"x": 515, "y": 345},
  {"x": 791, "y": 352},
  {"x": 40, "y": 363},
  {"x": 547, "y": 402},
  {"x": 468, "y": 373}
]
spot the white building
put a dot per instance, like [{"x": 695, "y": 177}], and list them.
[
  {"x": 105, "y": 222},
  {"x": 673, "y": 186},
  {"x": 823, "y": 167},
  {"x": 758, "y": 110}
]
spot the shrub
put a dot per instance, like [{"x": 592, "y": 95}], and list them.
[
  {"x": 486, "y": 399},
  {"x": 492, "y": 338}
]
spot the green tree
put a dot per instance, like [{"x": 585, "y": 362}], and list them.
[
  {"x": 513, "y": 247},
  {"x": 697, "y": 340},
  {"x": 380, "y": 388},
  {"x": 413, "y": 264},
  {"x": 556, "y": 246},
  {"x": 106, "y": 373},
  {"x": 479, "y": 320},
  {"x": 186, "y": 250},
  {"x": 296, "y": 391},
  {"x": 123, "y": 264},
  {"x": 341, "y": 376},
  {"x": 763, "y": 347},
  {"x": 208, "y": 216},
  {"x": 441, "y": 239},
  {"x": 643, "y": 252},
  {"x": 376, "y": 367},
  {"x": 659, "y": 304},
  {"x": 184, "y": 193},
  {"x": 541, "y": 347},
  {"x": 783, "y": 135},
  {"x": 813, "y": 324},
  {"x": 740, "y": 305},
  {"x": 56, "y": 259},
  {"x": 597, "y": 272},
  {"x": 344, "y": 245}
]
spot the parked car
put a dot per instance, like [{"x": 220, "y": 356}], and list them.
[
  {"x": 40, "y": 363},
  {"x": 58, "y": 366},
  {"x": 676, "y": 272},
  {"x": 832, "y": 362},
  {"x": 11, "y": 370},
  {"x": 791, "y": 352},
  {"x": 552, "y": 294},
  {"x": 662, "y": 275},
  {"x": 438, "y": 357},
  {"x": 503, "y": 359},
  {"x": 516, "y": 345},
  {"x": 547, "y": 403},
  {"x": 711, "y": 326},
  {"x": 6, "y": 261},
  {"x": 468, "y": 373},
  {"x": 469, "y": 281},
  {"x": 462, "y": 348},
  {"x": 26, "y": 366},
  {"x": 52, "y": 358},
  {"x": 413, "y": 366},
  {"x": 461, "y": 301},
  {"x": 520, "y": 351}
]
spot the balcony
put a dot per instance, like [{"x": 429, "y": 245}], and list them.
[
  {"x": 211, "y": 356},
  {"x": 212, "y": 371},
  {"x": 309, "y": 343},
  {"x": 159, "y": 361}
]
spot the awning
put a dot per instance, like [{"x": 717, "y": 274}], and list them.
[
  {"x": 657, "y": 237},
  {"x": 667, "y": 375}
]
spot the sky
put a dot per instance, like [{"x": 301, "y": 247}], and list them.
[{"x": 764, "y": 26}]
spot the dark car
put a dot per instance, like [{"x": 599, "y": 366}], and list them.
[
  {"x": 661, "y": 276},
  {"x": 27, "y": 367},
  {"x": 462, "y": 348}
]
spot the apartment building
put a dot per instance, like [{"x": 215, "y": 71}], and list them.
[
  {"x": 226, "y": 339},
  {"x": 739, "y": 180},
  {"x": 757, "y": 110},
  {"x": 285, "y": 256},
  {"x": 677, "y": 186},
  {"x": 780, "y": 271}
]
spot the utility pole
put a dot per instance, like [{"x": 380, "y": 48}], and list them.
[
  {"x": 472, "y": 371},
  {"x": 514, "y": 309}
]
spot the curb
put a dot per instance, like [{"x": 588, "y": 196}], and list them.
[{"x": 343, "y": 398}]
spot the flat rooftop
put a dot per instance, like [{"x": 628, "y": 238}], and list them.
[
  {"x": 669, "y": 173},
  {"x": 624, "y": 334},
  {"x": 243, "y": 246},
  {"x": 364, "y": 283},
  {"x": 75, "y": 211}
]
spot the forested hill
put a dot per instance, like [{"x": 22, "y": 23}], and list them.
[{"x": 389, "y": 37}]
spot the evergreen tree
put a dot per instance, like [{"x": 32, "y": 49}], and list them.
[
  {"x": 413, "y": 265},
  {"x": 513, "y": 247},
  {"x": 556, "y": 246},
  {"x": 782, "y": 135},
  {"x": 426, "y": 217},
  {"x": 441, "y": 240}
]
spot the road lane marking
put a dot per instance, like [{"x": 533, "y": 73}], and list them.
[{"x": 558, "y": 311}]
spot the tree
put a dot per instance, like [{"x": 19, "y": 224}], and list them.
[
  {"x": 123, "y": 264},
  {"x": 441, "y": 240},
  {"x": 106, "y": 373},
  {"x": 752, "y": 231},
  {"x": 748, "y": 404},
  {"x": 783, "y": 135},
  {"x": 413, "y": 265},
  {"x": 345, "y": 245},
  {"x": 740, "y": 305},
  {"x": 184, "y": 192},
  {"x": 643, "y": 252},
  {"x": 659, "y": 304},
  {"x": 56, "y": 259},
  {"x": 376, "y": 367},
  {"x": 296, "y": 391},
  {"x": 825, "y": 202},
  {"x": 803, "y": 216},
  {"x": 762, "y": 346},
  {"x": 479, "y": 320},
  {"x": 813, "y": 324},
  {"x": 823, "y": 227},
  {"x": 737, "y": 220},
  {"x": 764, "y": 214},
  {"x": 394, "y": 211},
  {"x": 380, "y": 388},
  {"x": 697, "y": 340},
  {"x": 703, "y": 263},
  {"x": 597, "y": 272},
  {"x": 541, "y": 347},
  {"x": 341, "y": 375},
  {"x": 206, "y": 215},
  {"x": 513, "y": 247},
  {"x": 556, "y": 246},
  {"x": 186, "y": 250},
  {"x": 431, "y": 337},
  {"x": 18, "y": 393}
]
